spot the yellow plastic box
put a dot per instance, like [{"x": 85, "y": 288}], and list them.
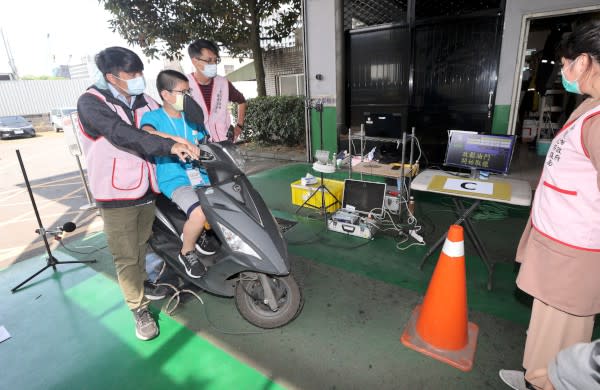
[{"x": 301, "y": 193}]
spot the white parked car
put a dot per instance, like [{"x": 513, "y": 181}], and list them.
[{"x": 60, "y": 117}]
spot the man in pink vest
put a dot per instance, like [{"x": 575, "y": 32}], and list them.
[
  {"x": 121, "y": 175},
  {"x": 213, "y": 92}
]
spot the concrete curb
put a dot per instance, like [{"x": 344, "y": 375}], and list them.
[{"x": 289, "y": 156}]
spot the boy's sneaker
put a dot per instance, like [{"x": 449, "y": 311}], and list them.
[
  {"x": 193, "y": 266},
  {"x": 154, "y": 292},
  {"x": 205, "y": 245},
  {"x": 145, "y": 326}
]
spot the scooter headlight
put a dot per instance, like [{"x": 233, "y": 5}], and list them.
[{"x": 236, "y": 243}]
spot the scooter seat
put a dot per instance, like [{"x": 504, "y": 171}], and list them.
[{"x": 171, "y": 211}]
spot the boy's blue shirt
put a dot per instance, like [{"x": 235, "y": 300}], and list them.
[{"x": 170, "y": 171}]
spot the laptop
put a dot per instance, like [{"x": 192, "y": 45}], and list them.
[
  {"x": 360, "y": 198},
  {"x": 363, "y": 197}
]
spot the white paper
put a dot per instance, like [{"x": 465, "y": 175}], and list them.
[
  {"x": 4, "y": 335},
  {"x": 471, "y": 186}
]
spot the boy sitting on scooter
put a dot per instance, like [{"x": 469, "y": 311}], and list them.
[{"x": 177, "y": 180}]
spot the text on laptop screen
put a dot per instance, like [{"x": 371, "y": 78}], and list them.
[
  {"x": 364, "y": 196},
  {"x": 487, "y": 152}
]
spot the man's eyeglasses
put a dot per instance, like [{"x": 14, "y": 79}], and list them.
[
  {"x": 210, "y": 61},
  {"x": 182, "y": 92}
]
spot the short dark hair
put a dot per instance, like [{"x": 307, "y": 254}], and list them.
[
  {"x": 585, "y": 39},
  {"x": 168, "y": 79},
  {"x": 118, "y": 59},
  {"x": 195, "y": 48}
]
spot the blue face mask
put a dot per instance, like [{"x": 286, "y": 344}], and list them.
[
  {"x": 135, "y": 86},
  {"x": 570, "y": 86},
  {"x": 210, "y": 70}
]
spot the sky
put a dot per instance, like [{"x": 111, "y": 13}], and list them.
[{"x": 43, "y": 34}]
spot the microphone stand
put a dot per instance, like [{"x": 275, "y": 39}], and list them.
[
  {"x": 51, "y": 261},
  {"x": 322, "y": 188}
]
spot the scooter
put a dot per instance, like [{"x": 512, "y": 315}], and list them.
[{"x": 252, "y": 262}]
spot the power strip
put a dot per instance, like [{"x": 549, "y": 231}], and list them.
[{"x": 416, "y": 236}]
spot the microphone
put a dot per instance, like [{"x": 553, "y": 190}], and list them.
[{"x": 67, "y": 227}]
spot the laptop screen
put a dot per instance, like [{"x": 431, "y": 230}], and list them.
[{"x": 364, "y": 196}]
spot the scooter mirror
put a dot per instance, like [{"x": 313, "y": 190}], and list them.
[{"x": 193, "y": 112}]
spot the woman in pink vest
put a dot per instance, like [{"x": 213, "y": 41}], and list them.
[
  {"x": 559, "y": 251},
  {"x": 213, "y": 93},
  {"x": 121, "y": 175}
]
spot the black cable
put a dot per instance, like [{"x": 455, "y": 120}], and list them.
[
  {"x": 302, "y": 242},
  {"x": 79, "y": 252},
  {"x": 323, "y": 240}
]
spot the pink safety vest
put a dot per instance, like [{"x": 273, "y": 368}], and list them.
[
  {"x": 566, "y": 207},
  {"x": 217, "y": 122},
  {"x": 115, "y": 174}
]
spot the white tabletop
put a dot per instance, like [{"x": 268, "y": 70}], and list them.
[{"x": 520, "y": 189}]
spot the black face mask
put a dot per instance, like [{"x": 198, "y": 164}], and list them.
[{"x": 193, "y": 113}]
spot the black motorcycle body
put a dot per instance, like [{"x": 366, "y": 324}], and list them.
[{"x": 252, "y": 262}]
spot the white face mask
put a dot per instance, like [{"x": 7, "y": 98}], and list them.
[
  {"x": 178, "y": 105},
  {"x": 210, "y": 70}
]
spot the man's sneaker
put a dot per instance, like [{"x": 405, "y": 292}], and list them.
[
  {"x": 193, "y": 266},
  {"x": 145, "y": 326},
  {"x": 154, "y": 292},
  {"x": 206, "y": 244}
]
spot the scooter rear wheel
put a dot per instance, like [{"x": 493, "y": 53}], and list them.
[{"x": 249, "y": 300}]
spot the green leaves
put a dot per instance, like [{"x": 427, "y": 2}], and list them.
[
  {"x": 164, "y": 27},
  {"x": 275, "y": 120}
]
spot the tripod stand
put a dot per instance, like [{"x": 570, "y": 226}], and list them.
[
  {"x": 51, "y": 261},
  {"x": 321, "y": 168}
]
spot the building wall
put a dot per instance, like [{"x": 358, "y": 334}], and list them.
[
  {"x": 287, "y": 60},
  {"x": 33, "y": 97},
  {"x": 515, "y": 10},
  {"x": 320, "y": 50}
]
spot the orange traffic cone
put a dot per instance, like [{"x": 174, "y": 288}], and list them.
[{"x": 439, "y": 328}]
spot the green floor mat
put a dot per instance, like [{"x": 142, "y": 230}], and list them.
[
  {"x": 499, "y": 227},
  {"x": 72, "y": 330}
]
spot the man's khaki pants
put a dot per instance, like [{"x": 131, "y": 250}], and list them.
[{"x": 127, "y": 232}]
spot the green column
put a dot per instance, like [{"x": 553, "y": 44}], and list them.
[
  {"x": 330, "y": 137},
  {"x": 500, "y": 120}
]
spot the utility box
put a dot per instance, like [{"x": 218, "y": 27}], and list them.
[
  {"x": 300, "y": 193},
  {"x": 529, "y": 130}
]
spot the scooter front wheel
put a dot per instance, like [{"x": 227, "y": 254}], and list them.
[{"x": 250, "y": 300}]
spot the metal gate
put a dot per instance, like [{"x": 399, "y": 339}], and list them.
[{"x": 433, "y": 63}]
